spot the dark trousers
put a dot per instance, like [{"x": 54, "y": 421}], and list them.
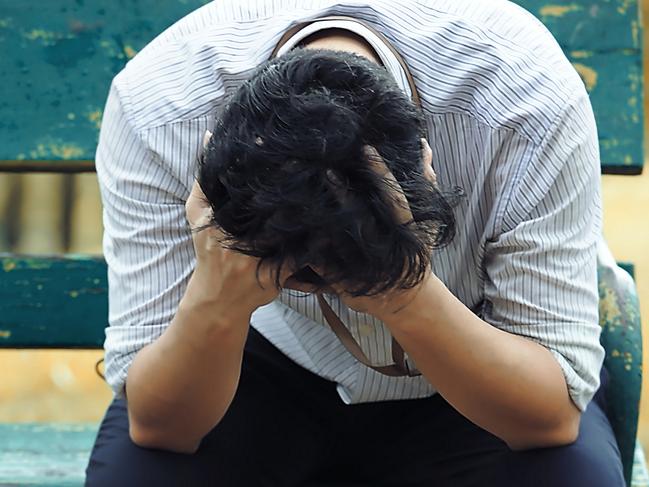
[{"x": 288, "y": 427}]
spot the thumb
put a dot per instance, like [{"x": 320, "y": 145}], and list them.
[{"x": 197, "y": 207}]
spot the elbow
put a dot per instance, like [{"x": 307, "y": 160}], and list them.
[
  {"x": 564, "y": 435},
  {"x": 159, "y": 440}
]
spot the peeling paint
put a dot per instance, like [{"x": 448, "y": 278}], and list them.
[
  {"x": 581, "y": 54},
  {"x": 609, "y": 311},
  {"x": 129, "y": 51},
  {"x": 8, "y": 265},
  {"x": 47, "y": 37},
  {"x": 5, "y": 333},
  {"x": 59, "y": 150},
  {"x": 635, "y": 33},
  {"x": 624, "y": 6},
  {"x": 37, "y": 264},
  {"x": 610, "y": 143},
  {"x": 95, "y": 117},
  {"x": 589, "y": 75},
  {"x": 558, "y": 10},
  {"x": 85, "y": 43}
]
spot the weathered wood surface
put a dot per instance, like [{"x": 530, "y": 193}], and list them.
[
  {"x": 52, "y": 302},
  {"x": 62, "y": 302},
  {"x": 59, "y": 58},
  {"x": 619, "y": 316},
  {"x": 45, "y": 453},
  {"x": 603, "y": 39}
]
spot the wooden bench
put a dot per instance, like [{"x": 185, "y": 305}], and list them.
[{"x": 61, "y": 301}]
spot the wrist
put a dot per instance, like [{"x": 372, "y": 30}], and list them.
[
  {"x": 201, "y": 298},
  {"x": 426, "y": 302}
]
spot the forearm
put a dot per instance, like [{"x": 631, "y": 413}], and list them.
[
  {"x": 180, "y": 386},
  {"x": 504, "y": 383}
]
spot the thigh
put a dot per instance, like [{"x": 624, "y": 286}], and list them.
[
  {"x": 430, "y": 443},
  {"x": 273, "y": 434}
]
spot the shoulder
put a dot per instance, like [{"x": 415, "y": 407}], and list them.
[
  {"x": 192, "y": 67},
  {"x": 490, "y": 60}
]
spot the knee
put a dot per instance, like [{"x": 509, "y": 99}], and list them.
[
  {"x": 575, "y": 465},
  {"x": 116, "y": 460}
]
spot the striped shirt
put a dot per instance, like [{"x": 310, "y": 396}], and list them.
[{"x": 508, "y": 120}]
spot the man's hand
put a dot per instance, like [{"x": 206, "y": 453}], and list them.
[
  {"x": 226, "y": 277},
  {"x": 388, "y": 305}
]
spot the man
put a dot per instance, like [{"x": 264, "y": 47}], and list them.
[{"x": 479, "y": 365}]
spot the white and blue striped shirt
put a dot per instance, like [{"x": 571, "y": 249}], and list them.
[{"x": 508, "y": 120}]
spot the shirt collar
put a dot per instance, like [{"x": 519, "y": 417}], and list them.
[{"x": 389, "y": 56}]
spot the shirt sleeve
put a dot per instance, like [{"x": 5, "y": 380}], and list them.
[
  {"x": 147, "y": 243},
  {"x": 541, "y": 269}
]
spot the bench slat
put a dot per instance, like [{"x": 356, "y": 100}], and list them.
[
  {"x": 603, "y": 40},
  {"x": 79, "y": 46},
  {"x": 52, "y": 302},
  {"x": 60, "y": 301},
  {"x": 58, "y": 60},
  {"x": 45, "y": 453}
]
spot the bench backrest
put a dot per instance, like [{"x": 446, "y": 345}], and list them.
[
  {"x": 64, "y": 55},
  {"x": 60, "y": 57},
  {"x": 52, "y": 302}
]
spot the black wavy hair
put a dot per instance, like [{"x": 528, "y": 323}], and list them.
[{"x": 288, "y": 180}]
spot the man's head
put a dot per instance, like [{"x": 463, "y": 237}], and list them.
[{"x": 287, "y": 173}]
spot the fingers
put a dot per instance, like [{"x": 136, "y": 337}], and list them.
[
  {"x": 286, "y": 271},
  {"x": 197, "y": 193},
  {"x": 400, "y": 203},
  {"x": 269, "y": 273},
  {"x": 427, "y": 152},
  {"x": 197, "y": 203},
  {"x": 197, "y": 207},
  {"x": 331, "y": 287},
  {"x": 292, "y": 283},
  {"x": 206, "y": 138},
  {"x": 427, "y": 159}
]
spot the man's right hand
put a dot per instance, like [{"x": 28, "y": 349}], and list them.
[
  {"x": 180, "y": 386},
  {"x": 226, "y": 278}
]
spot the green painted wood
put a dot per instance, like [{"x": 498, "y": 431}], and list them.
[
  {"x": 640, "y": 477},
  {"x": 52, "y": 302},
  {"x": 45, "y": 453},
  {"x": 603, "y": 39},
  {"x": 621, "y": 337},
  {"x": 59, "y": 58},
  {"x": 629, "y": 267},
  {"x": 61, "y": 302}
]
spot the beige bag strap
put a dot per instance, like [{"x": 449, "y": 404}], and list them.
[{"x": 398, "y": 369}]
